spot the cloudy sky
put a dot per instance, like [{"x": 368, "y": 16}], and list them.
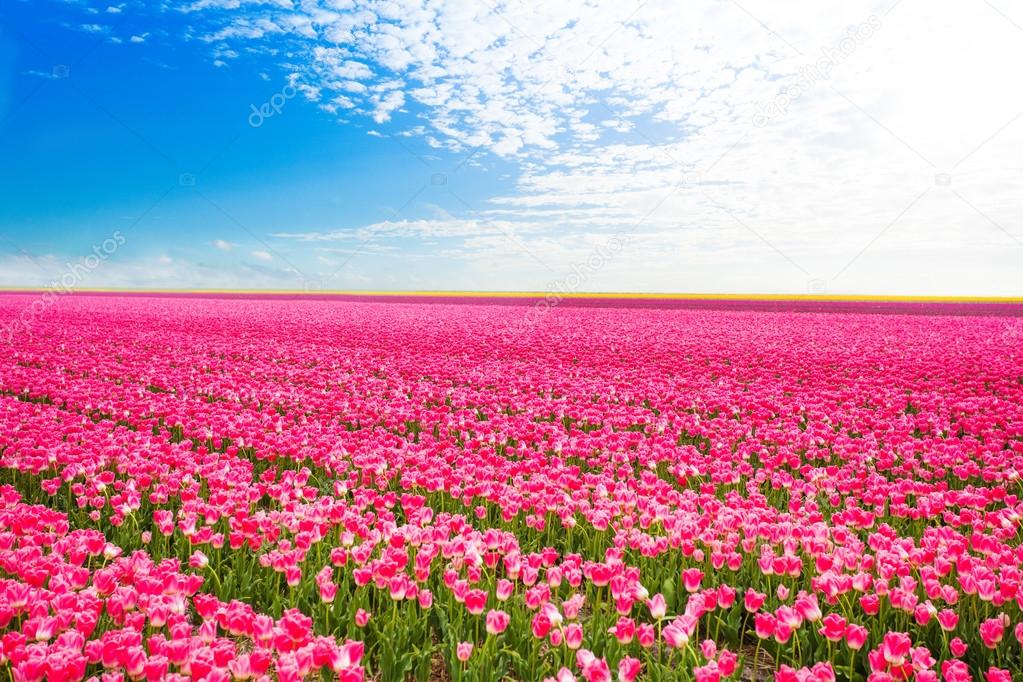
[{"x": 627, "y": 145}]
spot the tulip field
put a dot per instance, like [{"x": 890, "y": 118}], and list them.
[{"x": 218, "y": 488}]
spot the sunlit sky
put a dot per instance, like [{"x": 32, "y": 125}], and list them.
[{"x": 714, "y": 146}]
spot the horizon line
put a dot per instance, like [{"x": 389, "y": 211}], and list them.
[{"x": 930, "y": 298}]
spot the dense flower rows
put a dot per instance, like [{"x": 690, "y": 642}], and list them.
[{"x": 233, "y": 489}]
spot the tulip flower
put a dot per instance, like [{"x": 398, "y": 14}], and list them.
[
  {"x": 856, "y": 636},
  {"x": 948, "y": 619},
  {"x": 657, "y": 606},
  {"x": 497, "y": 622},
  {"x": 628, "y": 669},
  {"x": 992, "y": 631},
  {"x": 833, "y": 627}
]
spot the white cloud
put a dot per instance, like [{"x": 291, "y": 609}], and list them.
[
  {"x": 758, "y": 145},
  {"x": 398, "y": 228},
  {"x": 223, "y": 245},
  {"x": 264, "y": 256},
  {"x": 158, "y": 272}
]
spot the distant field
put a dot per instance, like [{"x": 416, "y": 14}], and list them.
[
  {"x": 366, "y": 486},
  {"x": 926, "y": 305}
]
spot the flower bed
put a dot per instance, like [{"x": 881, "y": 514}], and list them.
[{"x": 241, "y": 488}]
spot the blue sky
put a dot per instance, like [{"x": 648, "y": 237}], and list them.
[{"x": 819, "y": 147}]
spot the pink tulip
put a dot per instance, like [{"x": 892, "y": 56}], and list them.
[
  {"x": 994, "y": 674},
  {"x": 753, "y": 600},
  {"x": 833, "y": 627},
  {"x": 624, "y": 630},
  {"x": 691, "y": 579},
  {"x": 727, "y": 663},
  {"x": 955, "y": 671},
  {"x": 198, "y": 560},
  {"x": 855, "y": 636},
  {"x": 573, "y": 635},
  {"x": 504, "y": 589},
  {"x": 657, "y": 606},
  {"x": 541, "y": 625},
  {"x": 646, "y": 635},
  {"x": 497, "y": 622},
  {"x": 476, "y": 602},
  {"x": 948, "y": 619},
  {"x": 765, "y": 625},
  {"x": 572, "y": 605},
  {"x": 675, "y": 635},
  {"x": 629, "y": 669},
  {"x": 992, "y": 630},
  {"x": 895, "y": 648}
]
